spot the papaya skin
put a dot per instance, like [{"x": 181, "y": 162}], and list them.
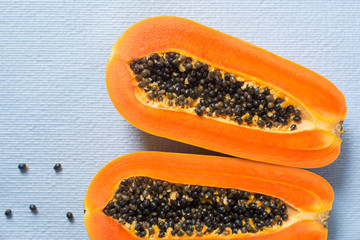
[
  {"x": 316, "y": 145},
  {"x": 285, "y": 183}
]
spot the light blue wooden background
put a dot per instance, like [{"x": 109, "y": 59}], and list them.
[{"x": 54, "y": 106}]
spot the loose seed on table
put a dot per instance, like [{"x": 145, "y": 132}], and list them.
[
  {"x": 8, "y": 212},
  {"x": 33, "y": 208},
  {"x": 57, "y": 167},
  {"x": 70, "y": 216},
  {"x": 22, "y": 167}
]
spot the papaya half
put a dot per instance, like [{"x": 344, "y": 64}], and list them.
[
  {"x": 178, "y": 79},
  {"x": 151, "y": 195}
]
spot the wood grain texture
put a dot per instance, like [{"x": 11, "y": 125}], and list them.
[{"x": 54, "y": 106}]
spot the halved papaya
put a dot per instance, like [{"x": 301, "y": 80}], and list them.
[
  {"x": 151, "y": 195},
  {"x": 178, "y": 79}
]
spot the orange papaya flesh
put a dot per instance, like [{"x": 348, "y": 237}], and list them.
[
  {"x": 178, "y": 79},
  {"x": 204, "y": 193}
]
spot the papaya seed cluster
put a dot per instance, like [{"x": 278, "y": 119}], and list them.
[
  {"x": 180, "y": 81},
  {"x": 156, "y": 208}
]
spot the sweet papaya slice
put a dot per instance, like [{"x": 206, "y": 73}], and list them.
[
  {"x": 151, "y": 195},
  {"x": 175, "y": 78}
]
